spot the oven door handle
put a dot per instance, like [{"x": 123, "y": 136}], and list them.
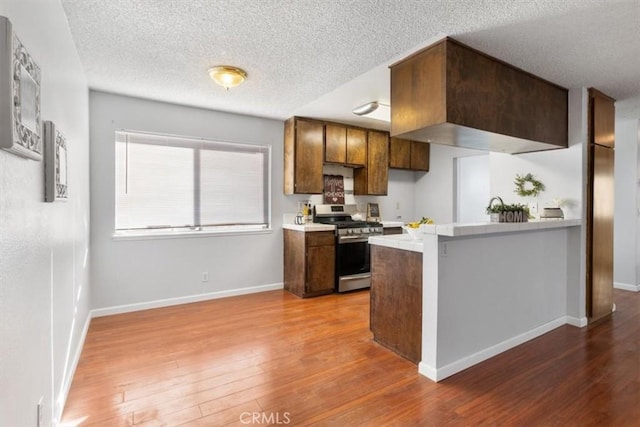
[{"x": 352, "y": 239}]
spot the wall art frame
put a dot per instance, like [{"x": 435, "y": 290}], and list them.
[
  {"x": 20, "y": 123},
  {"x": 55, "y": 164}
]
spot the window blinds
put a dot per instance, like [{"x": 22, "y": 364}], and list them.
[{"x": 171, "y": 183}]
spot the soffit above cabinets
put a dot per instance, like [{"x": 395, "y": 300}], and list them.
[{"x": 451, "y": 94}]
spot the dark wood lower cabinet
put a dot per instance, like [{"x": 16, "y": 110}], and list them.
[
  {"x": 309, "y": 262},
  {"x": 396, "y": 300}
]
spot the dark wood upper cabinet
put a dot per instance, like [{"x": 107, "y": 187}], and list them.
[
  {"x": 373, "y": 179},
  {"x": 335, "y": 148},
  {"x": 399, "y": 153},
  {"x": 345, "y": 145},
  {"x": 451, "y": 94},
  {"x": 420, "y": 153},
  {"x": 411, "y": 155},
  {"x": 303, "y": 156},
  {"x": 604, "y": 112},
  {"x": 356, "y": 147}
]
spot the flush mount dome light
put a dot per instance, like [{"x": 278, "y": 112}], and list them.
[
  {"x": 374, "y": 110},
  {"x": 365, "y": 109},
  {"x": 227, "y": 76}
]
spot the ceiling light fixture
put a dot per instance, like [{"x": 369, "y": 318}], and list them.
[
  {"x": 374, "y": 110},
  {"x": 227, "y": 76}
]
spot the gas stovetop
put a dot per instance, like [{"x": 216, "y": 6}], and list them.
[
  {"x": 340, "y": 216},
  {"x": 351, "y": 223}
]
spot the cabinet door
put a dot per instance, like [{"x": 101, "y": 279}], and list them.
[
  {"x": 294, "y": 261},
  {"x": 399, "y": 153},
  {"x": 600, "y": 270},
  {"x": 420, "y": 155},
  {"x": 356, "y": 146},
  {"x": 377, "y": 162},
  {"x": 309, "y": 149},
  {"x": 321, "y": 266},
  {"x": 603, "y": 119},
  {"x": 600, "y": 205},
  {"x": 335, "y": 148}
]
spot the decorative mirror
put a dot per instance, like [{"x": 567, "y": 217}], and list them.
[
  {"x": 55, "y": 164},
  {"x": 19, "y": 96}
]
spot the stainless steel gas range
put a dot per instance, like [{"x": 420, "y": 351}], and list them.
[{"x": 353, "y": 267}]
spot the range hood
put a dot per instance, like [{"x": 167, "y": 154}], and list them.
[{"x": 451, "y": 94}]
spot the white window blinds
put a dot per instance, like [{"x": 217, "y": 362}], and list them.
[{"x": 177, "y": 184}]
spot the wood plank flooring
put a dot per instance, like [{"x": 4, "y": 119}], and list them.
[{"x": 272, "y": 358}]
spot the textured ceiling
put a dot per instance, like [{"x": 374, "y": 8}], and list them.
[{"x": 322, "y": 58}]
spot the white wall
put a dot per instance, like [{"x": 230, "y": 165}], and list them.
[
  {"x": 434, "y": 192},
  {"x": 397, "y": 205},
  {"x": 44, "y": 276},
  {"x": 626, "y": 204},
  {"x": 140, "y": 271},
  {"x": 472, "y": 187}
]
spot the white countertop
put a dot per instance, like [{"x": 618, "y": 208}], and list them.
[
  {"x": 456, "y": 229},
  {"x": 407, "y": 242},
  {"x": 311, "y": 226},
  {"x": 389, "y": 224},
  {"x": 398, "y": 241}
]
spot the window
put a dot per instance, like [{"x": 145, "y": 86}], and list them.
[{"x": 170, "y": 184}]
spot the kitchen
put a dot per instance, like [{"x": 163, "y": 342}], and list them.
[
  {"x": 128, "y": 275},
  {"x": 568, "y": 275}
]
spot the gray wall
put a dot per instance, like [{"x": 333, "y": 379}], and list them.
[
  {"x": 126, "y": 272},
  {"x": 134, "y": 274},
  {"x": 626, "y": 208},
  {"x": 44, "y": 276}
]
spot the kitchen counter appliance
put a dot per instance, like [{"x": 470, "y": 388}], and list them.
[{"x": 353, "y": 259}]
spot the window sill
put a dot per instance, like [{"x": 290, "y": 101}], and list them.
[{"x": 189, "y": 234}]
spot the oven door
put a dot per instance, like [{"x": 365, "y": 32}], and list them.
[{"x": 353, "y": 266}]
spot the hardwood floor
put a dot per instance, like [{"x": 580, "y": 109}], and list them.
[{"x": 285, "y": 360}]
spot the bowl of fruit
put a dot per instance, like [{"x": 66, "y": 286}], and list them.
[{"x": 413, "y": 228}]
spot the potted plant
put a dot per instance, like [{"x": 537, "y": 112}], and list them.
[{"x": 500, "y": 212}]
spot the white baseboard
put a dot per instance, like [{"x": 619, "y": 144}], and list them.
[
  {"x": 70, "y": 372},
  {"x": 438, "y": 374},
  {"x": 127, "y": 308},
  {"x": 579, "y": 322},
  {"x": 626, "y": 287}
]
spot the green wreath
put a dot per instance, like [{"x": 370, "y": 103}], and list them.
[{"x": 523, "y": 190}]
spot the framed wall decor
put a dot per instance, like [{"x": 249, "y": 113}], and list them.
[
  {"x": 20, "y": 126},
  {"x": 55, "y": 164}
]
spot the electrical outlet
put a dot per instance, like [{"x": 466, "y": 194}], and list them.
[
  {"x": 205, "y": 276},
  {"x": 533, "y": 208},
  {"x": 40, "y": 413}
]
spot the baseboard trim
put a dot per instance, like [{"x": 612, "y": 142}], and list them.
[
  {"x": 579, "y": 322},
  {"x": 626, "y": 287},
  {"x": 127, "y": 308},
  {"x": 438, "y": 374},
  {"x": 70, "y": 372}
]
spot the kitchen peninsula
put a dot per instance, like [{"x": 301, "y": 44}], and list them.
[{"x": 483, "y": 289}]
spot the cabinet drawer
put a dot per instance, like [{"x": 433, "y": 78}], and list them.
[{"x": 320, "y": 238}]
